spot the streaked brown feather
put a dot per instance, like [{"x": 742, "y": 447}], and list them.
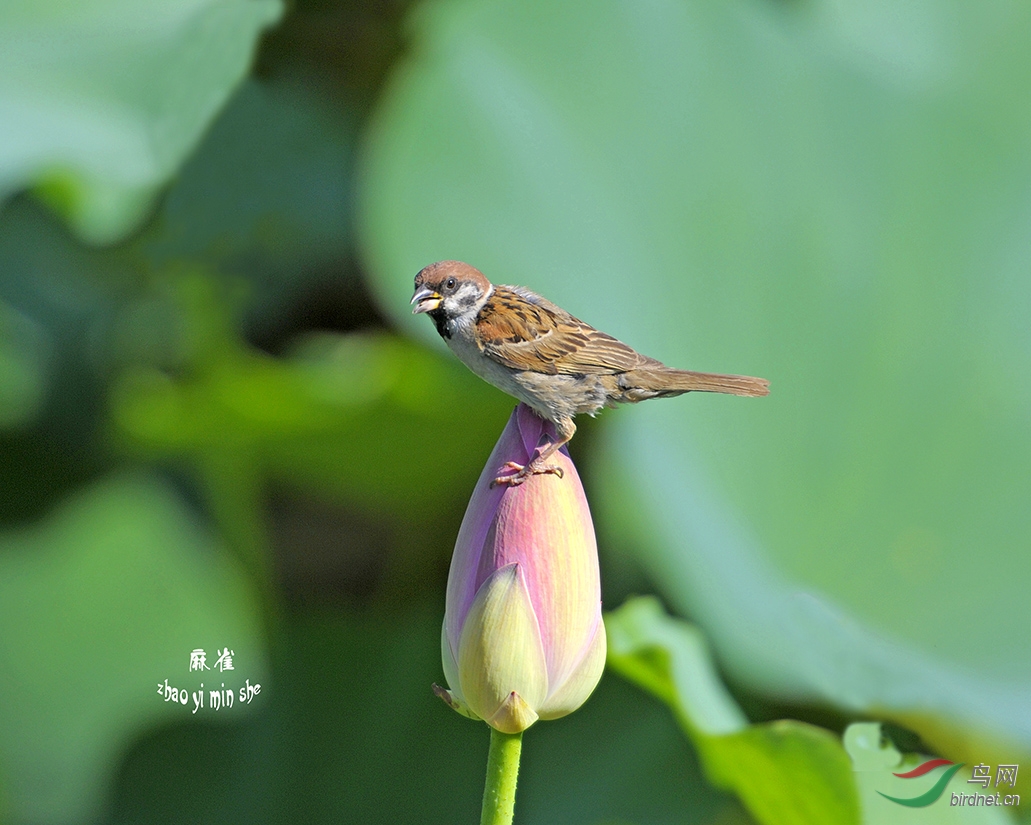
[{"x": 524, "y": 331}]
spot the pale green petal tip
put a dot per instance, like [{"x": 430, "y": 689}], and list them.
[
  {"x": 450, "y": 698},
  {"x": 448, "y": 659},
  {"x": 514, "y": 715}
]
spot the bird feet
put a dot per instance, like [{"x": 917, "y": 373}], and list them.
[{"x": 523, "y": 472}]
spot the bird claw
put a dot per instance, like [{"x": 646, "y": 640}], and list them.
[{"x": 523, "y": 472}]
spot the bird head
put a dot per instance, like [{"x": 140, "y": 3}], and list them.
[{"x": 451, "y": 290}]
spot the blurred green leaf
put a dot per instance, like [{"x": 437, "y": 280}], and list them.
[
  {"x": 267, "y": 195},
  {"x": 101, "y": 101},
  {"x": 99, "y": 604},
  {"x": 264, "y": 200},
  {"x": 834, "y": 198},
  {"x": 24, "y": 367},
  {"x": 63, "y": 324},
  {"x": 784, "y": 772}
]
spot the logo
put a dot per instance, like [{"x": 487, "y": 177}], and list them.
[
  {"x": 877, "y": 764},
  {"x": 936, "y": 790},
  {"x": 1005, "y": 775}
]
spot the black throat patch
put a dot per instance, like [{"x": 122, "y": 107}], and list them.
[{"x": 442, "y": 321}]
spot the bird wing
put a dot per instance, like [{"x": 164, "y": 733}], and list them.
[{"x": 523, "y": 331}]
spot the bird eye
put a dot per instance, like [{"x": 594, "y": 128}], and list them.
[{"x": 450, "y": 283}]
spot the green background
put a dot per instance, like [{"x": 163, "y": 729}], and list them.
[{"x": 221, "y": 426}]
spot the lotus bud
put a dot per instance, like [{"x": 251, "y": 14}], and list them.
[{"x": 523, "y": 638}]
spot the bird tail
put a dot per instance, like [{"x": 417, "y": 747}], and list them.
[{"x": 653, "y": 383}]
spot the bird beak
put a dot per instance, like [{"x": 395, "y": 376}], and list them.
[{"x": 425, "y": 300}]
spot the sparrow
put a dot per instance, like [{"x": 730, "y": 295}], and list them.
[{"x": 537, "y": 352}]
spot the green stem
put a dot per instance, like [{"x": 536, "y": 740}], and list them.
[{"x": 502, "y": 770}]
